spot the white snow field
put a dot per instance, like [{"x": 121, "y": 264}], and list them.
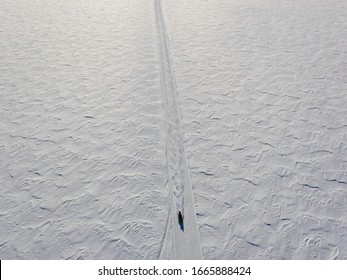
[{"x": 116, "y": 115}]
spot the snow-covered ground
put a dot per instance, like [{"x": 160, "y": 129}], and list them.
[{"x": 117, "y": 114}]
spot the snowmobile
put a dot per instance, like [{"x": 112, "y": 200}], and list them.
[{"x": 180, "y": 220}]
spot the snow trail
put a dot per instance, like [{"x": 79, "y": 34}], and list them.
[{"x": 185, "y": 240}]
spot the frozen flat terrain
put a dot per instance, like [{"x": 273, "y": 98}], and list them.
[{"x": 115, "y": 115}]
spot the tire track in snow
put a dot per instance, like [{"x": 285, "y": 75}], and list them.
[{"x": 185, "y": 243}]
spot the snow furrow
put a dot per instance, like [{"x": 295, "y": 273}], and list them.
[{"x": 185, "y": 237}]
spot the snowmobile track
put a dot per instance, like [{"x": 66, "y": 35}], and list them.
[{"x": 185, "y": 243}]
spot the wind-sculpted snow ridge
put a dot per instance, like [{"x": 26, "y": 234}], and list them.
[{"x": 185, "y": 237}]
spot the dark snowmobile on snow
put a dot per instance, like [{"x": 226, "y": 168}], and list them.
[{"x": 180, "y": 220}]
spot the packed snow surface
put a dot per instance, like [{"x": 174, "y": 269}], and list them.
[{"x": 116, "y": 115}]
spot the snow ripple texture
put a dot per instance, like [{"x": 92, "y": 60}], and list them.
[
  {"x": 82, "y": 137},
  {"x": 262, "y": 87}
]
